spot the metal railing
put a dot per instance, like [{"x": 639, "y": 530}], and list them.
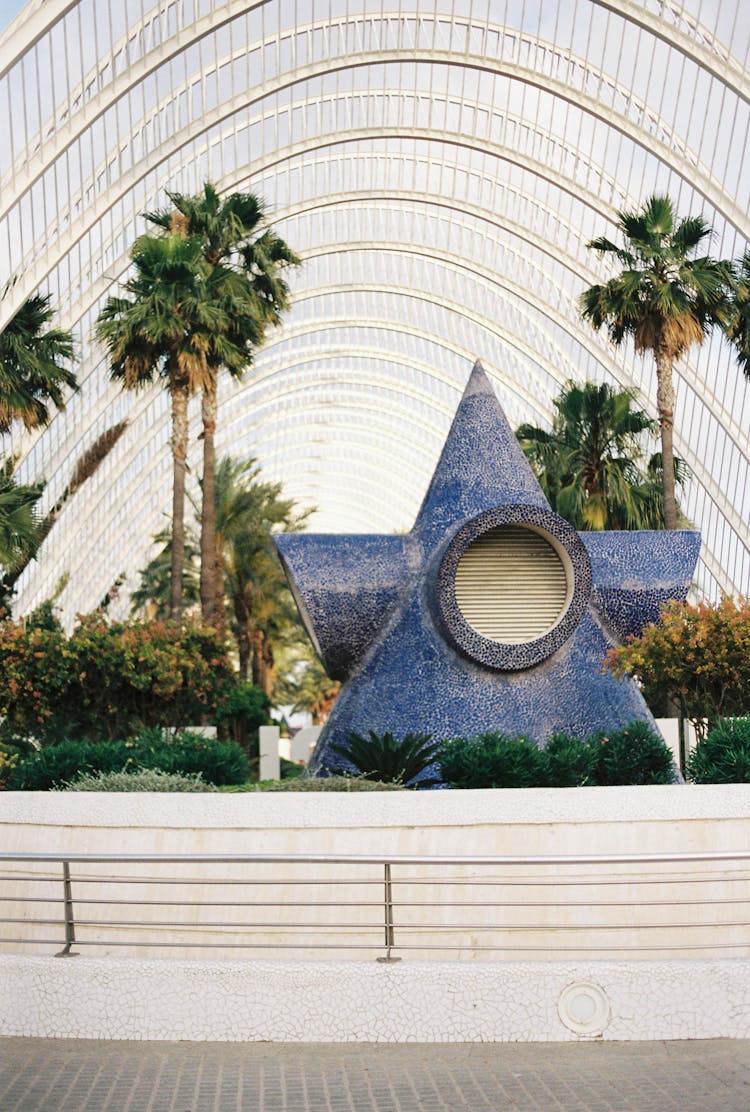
[{"x": 680, "y": 904}]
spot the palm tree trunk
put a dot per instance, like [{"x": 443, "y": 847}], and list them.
[
  {"x": 219, "y": 622},
  {"x": 262, "y": 662},
  {"x": 665, "y": 406},
  {"x": 208, "y": 585},
  {"x": 179, "y": 391},
  {"x": 242, "y": 619}
]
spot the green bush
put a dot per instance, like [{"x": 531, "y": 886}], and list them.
[
  {"x": 391, "y": 760},
  {"x": 58, "y": 764},
  {"x": 140, "y": 780},
  {"x": 219, "y": 762},
  {"x": 633, "y": 755},
  {"x": 723, "y": 755},
  {"x": 569, "y": 762},
  {"x": 330, "y": 784},
  {"x": 492, "y": 760},
  {"x": 290, "y": 770},
  {"x": 243, "y": 709}
]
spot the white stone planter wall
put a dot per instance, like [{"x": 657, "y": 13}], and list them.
[
  {"x": 98, "y": 995},
  {"x": 328, "y": 1001}
]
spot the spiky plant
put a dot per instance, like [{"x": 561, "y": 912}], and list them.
[{"x": 391, "y": 760}]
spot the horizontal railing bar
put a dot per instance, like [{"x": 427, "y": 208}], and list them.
[
  {"x": 377, "y": 903},
  {"x": 81, "y": 878},
  {"x": 402, "y": 926},
  {"x": 397, "y": 859},
  {"x": 688, "y": 878}
]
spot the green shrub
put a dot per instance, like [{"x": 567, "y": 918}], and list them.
[
  {"x": 330, "y": 784},
  {"x": 391, "y": 760},
  {"x": 140, "y": 780},
  {"x": 492, "y": 760},
  {"x": 8, "y": 761},
  {"x": 290, "y": 770},
  {"x": 243, "y": 709},
  {"x": 569, "y": 762},
  {"x": 58, "y": 764},
  {"x": 723, "y": 755},
  {"x": 220, "y": 762},
  {"x": 633, "y": 755}
]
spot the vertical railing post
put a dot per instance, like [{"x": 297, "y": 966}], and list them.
[
  {"x": 388, "y": 907},
  {"x": 70, "y": 929}
]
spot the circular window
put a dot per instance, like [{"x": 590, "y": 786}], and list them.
[{"x": 511, "y": 585}]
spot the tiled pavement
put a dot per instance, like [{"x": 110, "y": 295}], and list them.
[{"x": 46, "y": 1075}]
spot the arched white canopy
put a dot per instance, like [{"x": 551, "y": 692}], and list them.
[{"x": 440, "y": 166}]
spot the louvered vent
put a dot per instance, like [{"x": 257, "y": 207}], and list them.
[{"x": 511, "y": 585}]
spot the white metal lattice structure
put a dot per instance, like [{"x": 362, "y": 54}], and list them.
[{"x": 440, "y": 167}]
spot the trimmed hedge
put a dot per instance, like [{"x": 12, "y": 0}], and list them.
[
  {"x": 723, "y": 755},
  {"x": 219, "y": 762},
  {"x": 492, "y": 761},
  {"x": 632, "y": 755},
  {"x": 569, "y": 762}
]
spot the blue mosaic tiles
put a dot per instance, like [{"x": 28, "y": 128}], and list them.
[{"x": 382, "y": 611}]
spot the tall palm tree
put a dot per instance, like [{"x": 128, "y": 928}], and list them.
[
  {"x": 161, "y": 331},
  {"x": 666, "y": 298},
  {"x": 234, "y": 235},
  {"x": 34, "y": 364},
  {"x": 592, "y": 464}
]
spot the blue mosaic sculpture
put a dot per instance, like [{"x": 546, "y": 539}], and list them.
[{"x": 404, "y": 620}]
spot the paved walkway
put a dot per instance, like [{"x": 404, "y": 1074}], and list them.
[{"x": 66, "y": 1075}]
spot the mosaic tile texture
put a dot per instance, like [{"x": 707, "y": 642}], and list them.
[
  {"x": 383, "y": 614},
  {"x": 300, "y": 1002}
]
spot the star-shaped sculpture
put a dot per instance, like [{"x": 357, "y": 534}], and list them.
[{"x": 493, "y": 613}]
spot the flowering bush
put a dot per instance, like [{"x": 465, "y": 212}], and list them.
[
  {"x": 697, "y": 654},
  {"x": 108, "y": 680}
]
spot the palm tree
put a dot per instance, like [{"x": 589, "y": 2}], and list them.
[
  {"x": 20, "y": 524},
  {"x": 738, "y": 327},
  {"x": 34, "y": 375},
  {"x": 152, "y": 597},
  {"x": 665, "y": 298},
  {"x": 305, "y": 684},
  {"x": 34, "y": 358},
  {"x": 234, "y": 235},
  {"x": 255, "y": 597},
  {"x": 592, "y": 465},
  {"x": 262, "y": 610},
  {"x": 161, "y": 331},
  {"x": 181, "y": 319}
]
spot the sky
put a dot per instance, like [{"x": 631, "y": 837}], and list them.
[{"x": 9, "y": 9}]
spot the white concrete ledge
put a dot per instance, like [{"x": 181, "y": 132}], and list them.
[
  {"x": 366, "y": 1002},
  {"x": 279, "y": 810}
]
